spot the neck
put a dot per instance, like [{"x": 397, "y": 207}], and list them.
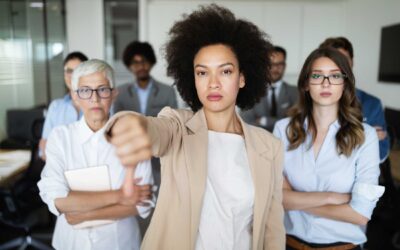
[
  {"x": 325, "y": 116},
  {"x": 143, "y": 83},
  {"x": 95, "y": 125},
  {"x": 225, "y": 121}
]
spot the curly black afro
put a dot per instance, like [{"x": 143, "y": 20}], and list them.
[
  {"x": 138, "y": 48},
  {"x": 213, "y": 24}
]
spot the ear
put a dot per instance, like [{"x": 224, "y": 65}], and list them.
[
  {"x": 242, "y": 80},
  {"x": 115, "y": 93}
]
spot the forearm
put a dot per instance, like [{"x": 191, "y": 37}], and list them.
[
  {"x": 78, "y": 201},
  {"x": 293, "y": 200},
  {"x": 113, "y": 212},
  {"x": 339, "y": 212}
]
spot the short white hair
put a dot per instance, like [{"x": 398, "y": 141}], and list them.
[{"x": 89, "y": 67}]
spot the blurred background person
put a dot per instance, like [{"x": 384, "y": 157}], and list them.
[
  {"x": 62, "y": 111},
  {"x": 280, "y": 96},
  {"x": 145, "y": 94}
]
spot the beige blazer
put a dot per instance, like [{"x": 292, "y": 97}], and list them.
[{"x": 180, "y": 138}]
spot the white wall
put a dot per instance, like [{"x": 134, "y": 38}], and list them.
[
  {"x": 299, "y": 26},
  {"x": 85, "y": 27}
]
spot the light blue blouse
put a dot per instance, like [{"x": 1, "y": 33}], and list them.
[{"x": 330, "y": 172}]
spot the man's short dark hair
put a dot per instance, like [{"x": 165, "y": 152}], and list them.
[
  {"x": 279, "y": 49},
  {"x": 138, "y": 48},
  {"x": 339, "y": 43},
  {"x": 212, "y": 25},
  {"x": 75, "y": 55}
]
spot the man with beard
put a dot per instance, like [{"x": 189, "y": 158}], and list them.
[
  {"x": 145, "y": 95},
  {"x": 279, "y": 98}
]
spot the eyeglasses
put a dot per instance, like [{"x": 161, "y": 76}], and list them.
[
  {"x": 333, "y": 79},
  {"x": 86, "y": 93}
]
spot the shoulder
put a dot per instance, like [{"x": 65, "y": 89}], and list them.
[
  {"x": 282, "y": 124},
  {"x": 162, "y": 86},
  {"x": 179, "y": 114},
  {"x": 125, "y": 86},
  {"x": 366, "y": 97},
  {"x": 369, "y": 132},
  {"x": 55, "y": 104}
]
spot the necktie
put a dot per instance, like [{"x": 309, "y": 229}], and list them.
[{"x": 273, "y": 102}]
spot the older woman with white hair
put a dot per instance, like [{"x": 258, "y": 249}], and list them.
[{"x": 82, "y": 145}]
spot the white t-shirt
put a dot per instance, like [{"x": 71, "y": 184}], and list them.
[{"x": 227, "y": 213}]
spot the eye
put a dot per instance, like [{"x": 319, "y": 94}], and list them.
[
  {"x": 315, "y": 76},
  {"x": 84, "y": 90},
  {"x": 336, "y": 76},
  {"x": 201, "y": 73},
  {"x": 227, "y": 72},
  {"x": 103, "y": 89}
]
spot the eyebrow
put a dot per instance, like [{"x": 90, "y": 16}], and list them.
[
  {"x": 103, "y": 85},
  {"x": 318, "y": 70},
  {"x": 219, "y": 66}
]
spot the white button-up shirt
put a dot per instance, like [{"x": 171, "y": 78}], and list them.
[
  {"x": 227, "y": 213},
  {"x": 76, "y": 146},
  {"x": 330, "y": 172}
]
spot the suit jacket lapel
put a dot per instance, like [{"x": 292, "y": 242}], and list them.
[
  {"x": 151, "y": 99},
  {"x": 195, "y": 145},
  {"x": 134, "y": 100},
  {"x": 260, "y": 161}
]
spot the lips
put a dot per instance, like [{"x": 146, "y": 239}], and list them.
[
  {"x": 325, "y": 94},
  {"x": 214, "y": 97}
]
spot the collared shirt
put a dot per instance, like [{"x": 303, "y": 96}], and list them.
[
  {"x": 227, "y": 212},
  {"x": 330, "y": 172},
  {"x": 143, "y": 95},
  {"x": 61, "y": 112},
  {"x": 76, "y": 146}
]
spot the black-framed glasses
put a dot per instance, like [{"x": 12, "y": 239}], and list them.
[
  {"x": 102, "y": 92},
  {"x": 333, "y": 79}
]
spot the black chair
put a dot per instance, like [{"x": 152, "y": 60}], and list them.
[{"x": 21, "y": 206}]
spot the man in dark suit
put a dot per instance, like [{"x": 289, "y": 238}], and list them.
[
  {"x": 144, "y": 95},
  {"x": 279, "y": 98}
]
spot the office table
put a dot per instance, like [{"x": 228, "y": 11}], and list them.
[{"x": 12, "y": 163}]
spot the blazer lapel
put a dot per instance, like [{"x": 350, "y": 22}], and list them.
[
  {"x": 134, "y": 100},
  {"x": 195, "y": 147},
  {"x": 152, "y": 97},
  {"x": 260, "y": 160}
]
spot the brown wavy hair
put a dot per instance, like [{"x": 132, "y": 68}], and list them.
[{"x": 351, "y": 132}]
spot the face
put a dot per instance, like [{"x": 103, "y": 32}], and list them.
[
  {"x": 325, "y": 94},
  {"x": 278, "y": 66},
  {"x": 217, "y": 78},
  {"x": 347, "y": 55},
  {"x": 140, "y": 67},
  {"x": 95, "y": 109},
  {"x": 68, "y": 69}
]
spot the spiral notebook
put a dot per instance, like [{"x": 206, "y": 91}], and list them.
[{"x": 89, "y": 179}]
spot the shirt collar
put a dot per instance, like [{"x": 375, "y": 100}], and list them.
[
  {"x": 136, "y": 86},
  {"x": 277, "y": 85},
  {"x": 86, "y": 134}
]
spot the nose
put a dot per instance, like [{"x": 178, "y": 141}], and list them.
[
  {"x": 95, "y": 96},
  {"x": 326, "y": 82},
  {"x": 214, "y": 82}
]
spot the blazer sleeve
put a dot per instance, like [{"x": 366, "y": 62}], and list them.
[
  {"x": 275, "y": 236},
  {"x": 163, "y": 130}
]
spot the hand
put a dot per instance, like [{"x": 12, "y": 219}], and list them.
[
  {"x": 74, "y": 218},
  {"x": 140, "y": 194},
  {"x": 129, "y": 136},
  {"x": 380, "y": 132},
  {"x": 338, "y": 198}
]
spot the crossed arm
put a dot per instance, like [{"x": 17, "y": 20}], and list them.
[
  {"x": 330, "y": 205},
  {"x": 82, "y": 206}
]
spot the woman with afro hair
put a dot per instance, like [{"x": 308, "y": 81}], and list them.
[{"x": 221, "y": 178}]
